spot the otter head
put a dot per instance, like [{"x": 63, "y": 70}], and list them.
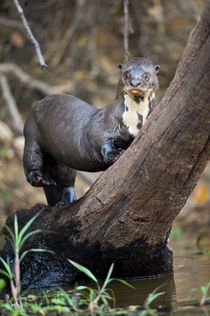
[{"x": 138, "y": 77}]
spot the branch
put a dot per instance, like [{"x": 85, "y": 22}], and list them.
[
  {"x": 127, "y": 29},
  {"x": 69, "y": 33},
  {"x": 30, "y": 35},
  {"x": 32, "y": 83},
  {"x": 14, "y": 114},
  {"x": 11, "y": 23}
]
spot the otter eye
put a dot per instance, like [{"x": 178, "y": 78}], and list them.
[
  {"x": 146, "y": 76},
  {"x": 126, "y": 75}
]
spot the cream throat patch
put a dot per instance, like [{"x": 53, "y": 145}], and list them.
[{"x": 135, "y": 113}]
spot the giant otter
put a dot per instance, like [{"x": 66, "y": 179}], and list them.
[{"x": 64, "y": 133}]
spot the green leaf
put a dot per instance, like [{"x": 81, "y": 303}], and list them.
[
  {"x": 81, "y": 288},
  {"x": 9, "y": 231},
  {"x": 45, "y": 296},
  {"x": 58, "y": 301},
  {"x": 16, "y": 230},
  {"x": 3, "y": 284},
  {"x": 153, "y": 296},
  {"x": 35, "y": 308},
  {"x": 5, "y": 273},
  {"x": 84, "y": 270},
  {"x": 7, "y": 306},
  {"x": 92, "y": 295},
  {"x": 34, "y": 250},
  {"x": 27, "y": 236},
  {"x": 67, "y": 298},
  {"x": 7, "y": 267},
  {"x": 125, "y": 283},
  {"x": 108, "y": 280},
  {"x": 27, "y": 225},
  {"x": 58, "y": 308},
  {"x": 104, "y": 300}
]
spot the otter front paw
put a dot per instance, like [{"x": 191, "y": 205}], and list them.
[
  {"x": 118, "y": 153},
  {"x": 110, "y": 154},
  {"x": 112, "y": 157},
  {"x": 36, "y": 179},
  {"x": 109, "y": 159}
]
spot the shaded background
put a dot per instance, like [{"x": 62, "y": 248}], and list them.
[{"x": 82, "y": 41}]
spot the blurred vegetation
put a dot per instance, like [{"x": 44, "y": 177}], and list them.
[{"x": 82, "y": 41}]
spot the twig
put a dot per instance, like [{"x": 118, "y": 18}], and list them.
[
  {"x": 14, "y": 114},
  {"x": 30, "y": 35},
  {"x": 127, "y": 29},
  {"x": 69, "y": 33},
  {"x": 11, "y": 23},
  {"x": 32, "y": 83}
]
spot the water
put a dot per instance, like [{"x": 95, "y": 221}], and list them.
[{"x": 191, "y": 270}]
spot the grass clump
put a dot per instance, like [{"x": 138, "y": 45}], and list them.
[
  {"x": 81, "y": 300},
  {"x": 17, "y": 239},
  {"x": 202, "y": 294},
  {"x": 92, "y": 297}
]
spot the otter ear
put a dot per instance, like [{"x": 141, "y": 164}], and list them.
[
  {"x": 157, "y": 68},
  {"x": 119, "y": 66}
]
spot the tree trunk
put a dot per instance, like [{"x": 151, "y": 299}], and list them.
[{"x": 127, "y": 214}]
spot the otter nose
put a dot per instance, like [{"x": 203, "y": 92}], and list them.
[{"x": 135, "y": 82}]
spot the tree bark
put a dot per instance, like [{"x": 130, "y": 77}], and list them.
[{"x": 127, "y": 214}]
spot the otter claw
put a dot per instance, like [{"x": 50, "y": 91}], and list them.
[
  {"x": 114, "y": 156},
  {"x": 68, "y": 196},
  {"x": 118, "y": 153},
  {"x": 36, "y": 179}
]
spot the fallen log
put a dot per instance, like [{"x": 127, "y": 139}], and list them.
[{"x": 127, "y": 214}]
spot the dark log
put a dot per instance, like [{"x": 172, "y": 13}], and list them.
[{"x": 127, "y": 214}]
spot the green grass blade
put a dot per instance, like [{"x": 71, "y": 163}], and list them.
[
  {"x": 108, "y": 280},
  {"x": 34, "y": 250},
  {"x": 8, "y": 230},
  {"x": 8, "y": 307},
  {"x": 16, "y": 227},
  {"x": 27, "y": 236},
  {"x": 104, "y": 300},
  {"x": 81, "y": 288},
  {"x": 7, "y": 267},
  {"x": 67, "y": 298},
  {"x": 26, "y": 226},
  {"x": 5, "y": 273},
  {"x": 44, "y": 294},
  {"x": 125, "y": 283},
  {"x": 153, "y": 296},
  {"x": 84, "y": 270}
]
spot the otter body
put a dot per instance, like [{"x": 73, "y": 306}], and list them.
[{"x": 64, "y": 134}]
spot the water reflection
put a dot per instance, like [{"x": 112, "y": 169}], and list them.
[
  {"x": 126, "y": 296},
  {"x": 191, "y": 270}
]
